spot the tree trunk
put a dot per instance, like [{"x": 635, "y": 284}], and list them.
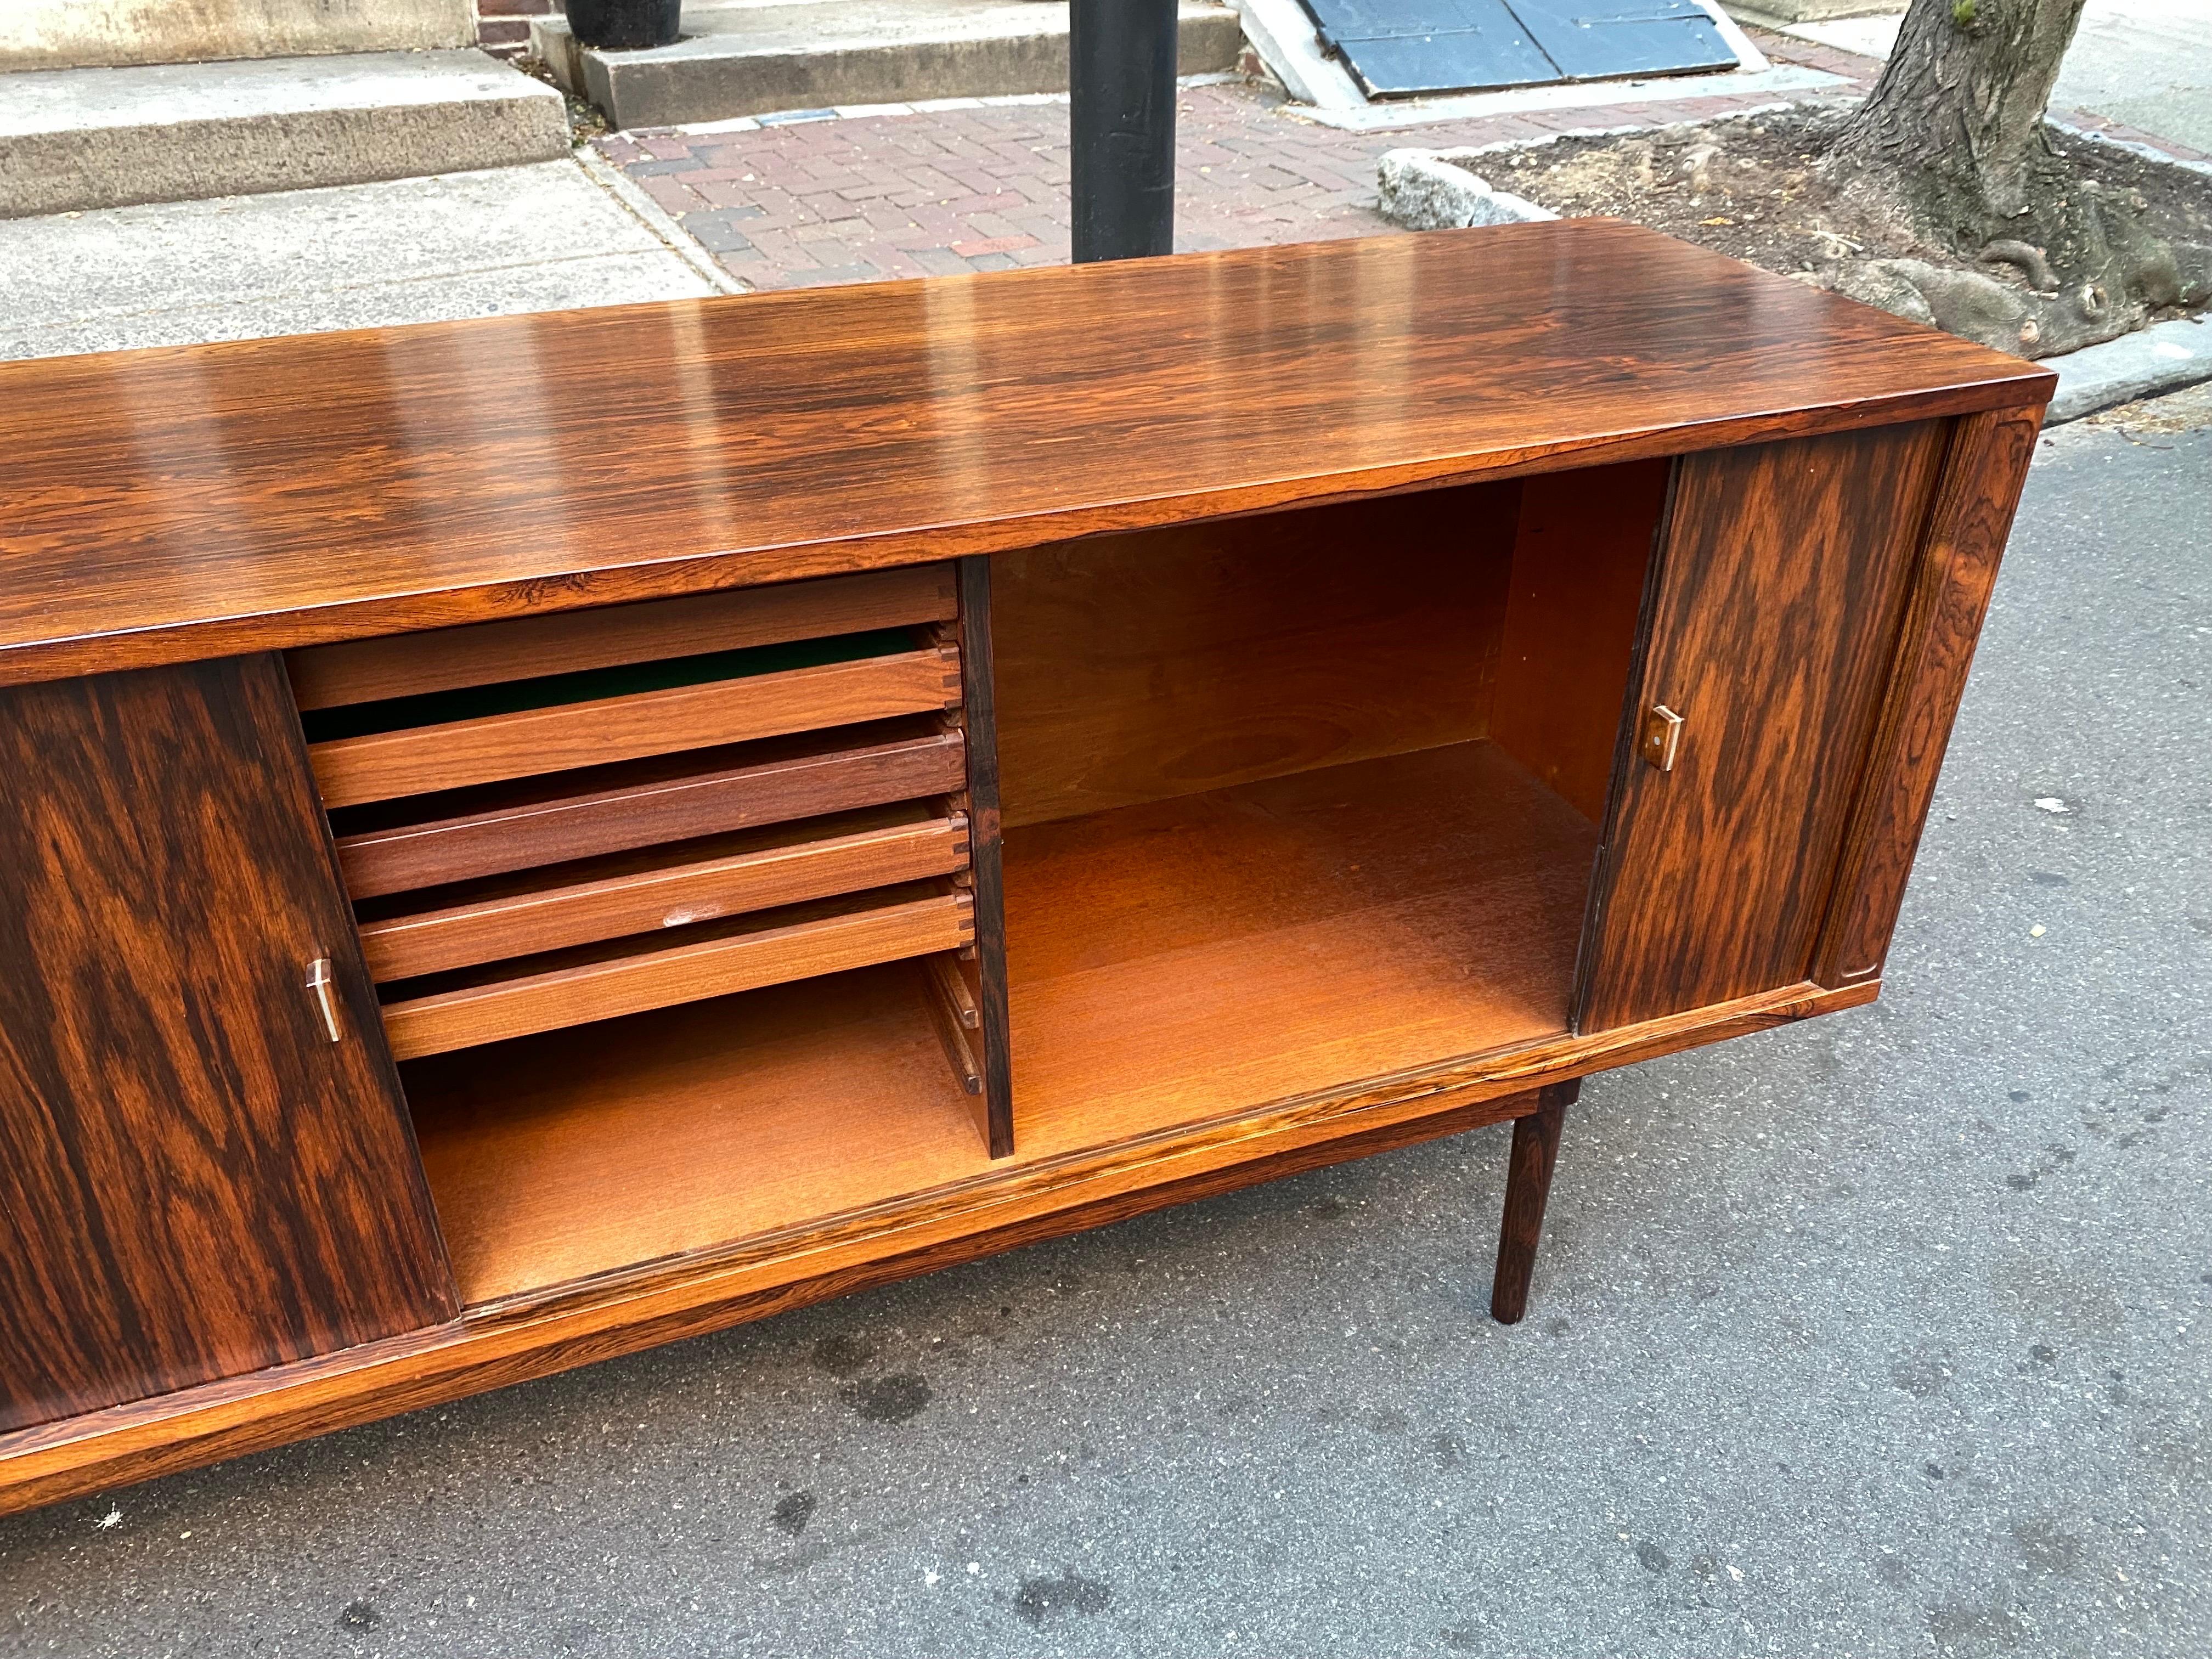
[
  {"x": 1958, "y": 110},
  {"x": 1965, "y": 216}
]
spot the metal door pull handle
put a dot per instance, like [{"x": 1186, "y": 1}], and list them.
[
  {"x": 1662, "y": 736},
  {"x": 326, "y": 999}
]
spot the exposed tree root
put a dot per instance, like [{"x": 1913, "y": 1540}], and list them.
[
  {"x": 2092, "y": 272},
  {"x": 1949, "y": 156}
]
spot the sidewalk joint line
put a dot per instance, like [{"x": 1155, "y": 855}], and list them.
[{"x": 658, "y": 220}]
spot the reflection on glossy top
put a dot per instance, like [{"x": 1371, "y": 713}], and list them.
[{"x": 200, "y": 501}]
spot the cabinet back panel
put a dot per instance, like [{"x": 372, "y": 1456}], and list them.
[
  {"x": 1780, "y": 591},
  {"x": 195, "y": 1181},
  {"x": 1155, "y": 664}
]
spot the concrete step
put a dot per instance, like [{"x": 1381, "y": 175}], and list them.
[
  {"x": 72, "y": 139},
  {"x": 748, "y": 58},
  {"x": 82, "y": 33}
]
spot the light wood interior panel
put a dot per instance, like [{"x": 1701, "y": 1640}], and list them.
[
  {"x": 1376, "y": 888},
  {"x": 1138, "y": 667},
  {"x": 1579, "y": 563},
  {"x": 581, "y": 1152},
  {"x": 1173, "y": 961}
]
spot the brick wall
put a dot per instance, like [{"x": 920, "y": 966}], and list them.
[{"x": 503, "y": 25}]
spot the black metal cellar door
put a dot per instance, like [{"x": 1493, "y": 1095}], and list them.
[{"x": 1399, "y": 48}]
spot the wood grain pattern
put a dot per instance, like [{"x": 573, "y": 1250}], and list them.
[
  {"x": 417, "y": 759},
  {"x": 1782, "y": 586},
  {"x": 671, "y": 893},
  {"x": 1983, "y": 474},
  {"x": 1010, "y": 1206},
  {"x": 1529, "y": 1163},
  {"x": 445, "y": 659},
  {"x": 740, "y": 956},
  {"x": 1580, "y": 557},
  {"x": 1134, "y": 668},
  {"x": 203, "y": 501},
  {"x": 194, "y": 1181},
  {"x": 979, "y": 717},
  {"x": 585, "y": 815}
]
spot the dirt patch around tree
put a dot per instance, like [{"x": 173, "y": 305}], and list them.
[{"x": 1750, "y": 187}]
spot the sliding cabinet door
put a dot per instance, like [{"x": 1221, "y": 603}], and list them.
[
  {"x": 203, "y": 1171},
  {"x": 1782, "y": 583}
]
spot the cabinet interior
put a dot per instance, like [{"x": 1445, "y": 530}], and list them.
[
  {"x": 1291, "y": 802},
  {"x": 1305, "y": 799}
]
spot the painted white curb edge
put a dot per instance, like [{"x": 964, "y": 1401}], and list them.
[{"x": 2162, "y": 358}]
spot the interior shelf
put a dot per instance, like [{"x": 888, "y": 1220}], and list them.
[
  {"x": 1168, "y": 962},
  {"x": 581, "y": 1151},
  {"x": 1172, "y": 962}
]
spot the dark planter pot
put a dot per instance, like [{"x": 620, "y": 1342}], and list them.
[{"x": 624, "y": 25}]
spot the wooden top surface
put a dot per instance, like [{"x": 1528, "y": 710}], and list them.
[{"x": 194, "y": 501}]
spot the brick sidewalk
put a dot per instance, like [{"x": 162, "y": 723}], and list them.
[
  {"x": 804, "y": 203},
  {"x": 795, "y": 201}
]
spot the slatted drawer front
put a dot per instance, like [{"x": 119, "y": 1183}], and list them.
[
  {"x": 546, "y": 992},
  {"x": 560, "y": 819}
]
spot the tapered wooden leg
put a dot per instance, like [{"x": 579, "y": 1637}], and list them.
[{"x": 1528, "y": 1184}]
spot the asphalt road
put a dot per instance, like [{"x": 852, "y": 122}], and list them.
[{"x": 1890, "y": 1333}]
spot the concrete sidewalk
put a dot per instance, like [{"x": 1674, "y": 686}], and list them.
[
  {"x": 971, "y": 185},
  {"x": 544, "y": 237},
  {"x": 1885, "y": 1334},
  {"x": 827, "y": 197},
  {"x": 837, "y": 196},
  {"x": 981, "y": 185}
]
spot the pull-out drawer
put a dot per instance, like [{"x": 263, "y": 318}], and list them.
[
  {"x": 562, "y": 735},
  {"x": 600, "y": 982},
  {"x": 583, "y": 815},
  {"x": 536, "y": 647},
  {"x": 661, "y": 888},
  {"x": 560, "y": 819}
]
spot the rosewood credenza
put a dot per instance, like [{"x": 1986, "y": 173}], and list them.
[{"x": 528, "y": 838}]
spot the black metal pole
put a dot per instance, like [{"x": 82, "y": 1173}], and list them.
[{"x": 1122, "y": 66}]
